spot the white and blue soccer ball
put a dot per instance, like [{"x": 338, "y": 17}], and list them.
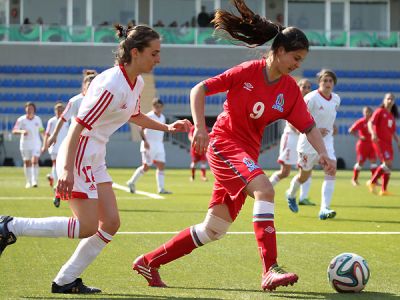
[{"x": 348, "y": 273}]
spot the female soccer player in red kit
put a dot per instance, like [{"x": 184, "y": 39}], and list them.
[
  {"x": 113, "y": 98},
  {"x": 364, "y": 148},
  {"x": 259, "y": 92},
  {"x": 382, "y": 127}
]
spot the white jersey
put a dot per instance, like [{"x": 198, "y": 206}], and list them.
[
  {"x": 289, "y": 129},
  {"x": 72, "y": 108},
  {"x": 109, "y": 103},
  {"x": 51, "y": 125},
  {"x": 154, "y": 136},
  {"x": 324, "y": 113},
  {"x": 33, "y": 127}
]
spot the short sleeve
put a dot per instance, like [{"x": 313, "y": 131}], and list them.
[
  {"x": 68, "y": 112},
  {"x": 93, "y": 106},
  {"x": 356, "y": 125},
  {"x": 375, "y": 117},
  {"x": 299, "y": 115},
  {"x": 223, "y": 82},
  {"x": 17, "y": 124},
  {"x": 49, "y": 127}
]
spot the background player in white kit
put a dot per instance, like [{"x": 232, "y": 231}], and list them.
[
  {"x": 288, "y": 152},
  {"x": 53, "y": 149},
  {"x": 29, "y": 126},
  {"x": 152, "y": 150},
  {"x": 71, "y": 110},
  {"x": 322, "y": 104},
  {"x": 112, "y": 99}
]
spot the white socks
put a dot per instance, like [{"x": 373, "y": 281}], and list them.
[
  {"x": 87, "y": 250},
  {"x": 45, "y": 227},
  {"x": 54, "y": 174},
  {"x": 35, "y": 174},
  {"x": 305, "y": 189},
  {"x": 327, "y": 191},
  {"x": 274, "y": 179},
  {"x": 160, "y": 180},
  {"x": 136, "y": 175},
  {"x": 294, "y": 186},
  {"x": 28, "y": 174}
]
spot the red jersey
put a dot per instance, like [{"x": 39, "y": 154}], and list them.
[
  {"x": 253, "y": 103},
  {"x": 361, "y": 125},
  {"x": 384, "y": 125}
]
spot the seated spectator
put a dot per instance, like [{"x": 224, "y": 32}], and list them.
[
  {"x": 203, "y": 19},
  {"x": 173, "y": 24},
  {"x": 159, "y": 24}
]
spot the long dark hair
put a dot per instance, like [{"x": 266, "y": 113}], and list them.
[
  {"x": 254, "y": 30},
  {"x": 394, "y": 110},
  {"x": 132, "y": 37}
]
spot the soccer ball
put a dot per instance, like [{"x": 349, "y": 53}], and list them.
[{"x": 348, "y": 273}]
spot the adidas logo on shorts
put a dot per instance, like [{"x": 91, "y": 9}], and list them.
[{"x": 92, "y": 187}]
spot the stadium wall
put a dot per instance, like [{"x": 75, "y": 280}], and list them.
[{"x": 202, "y": 56}]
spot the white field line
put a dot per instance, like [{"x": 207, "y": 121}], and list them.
[
  {"x": 50, "y": 198},
  {"x": 126, "y": 189},
  {"x": 283, "y": 232}
]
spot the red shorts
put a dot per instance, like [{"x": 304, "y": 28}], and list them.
[
  {"x": 233, "y": 169},
  {"x": 197, "y": 157},
  {"x": 365, "y": 150},
  {"x": 384, "y": 150}
]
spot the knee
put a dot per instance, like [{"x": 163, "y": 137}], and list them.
[
  {"x": 285, "y": 173},
  {"x": 87, "y": 230},
  {"x": 267, "y": 193}
]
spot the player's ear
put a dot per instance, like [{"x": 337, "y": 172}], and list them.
[{"x": 134, "y": 52}]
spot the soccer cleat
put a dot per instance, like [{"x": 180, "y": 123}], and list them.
[
  {"x": 75, "y": 287},
  {"x": 6, "y": 237},
  {"x": 327, "y": 214},
  {"x": 27, "y": 185},
  {"x": 292, "y": 203},
  {"x": 205, "y": 179},
  {"x": 191, "y": 179},
  {"x": 165, "y": 192},
  {"x": 150, "y": 274},
  {"x": 306, "y": 201},
  {"x": 131, "y": 186},
  {"x": 34, "y": 184},
  {"x": 50, "y": 179},
  {"x": 371, "y": 186},
  {"x": 56, "y": 202},
  {"x": 354, "y": 182},
  {"x": 276, "y": 277},
  {"x": 384, "y": 193}
]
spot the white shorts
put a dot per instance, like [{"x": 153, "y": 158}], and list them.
[
  {"x": 155, "y": 153},
  {"x": 287, "y": 150},
  {"x": 28, "y": 154},
  {"x": 307, "y": 161},
  {"x": 90, "y": 168},
  {"x": 53, "y": 156}
]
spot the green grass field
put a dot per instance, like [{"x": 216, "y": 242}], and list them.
[{"x": 227, "y": 269}]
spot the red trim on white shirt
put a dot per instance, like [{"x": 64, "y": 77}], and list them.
[
  {"x": 330, "y": 96},
  {"x": 131, "y": 85},
  {"x": 79, "y": 121},
  {"x": 80, "y": 152},
  {"x": 99, "y": 108}
]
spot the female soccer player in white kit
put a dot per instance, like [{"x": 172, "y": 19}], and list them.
[
  {"x": 152, "y": 150},
  {"x": 112, "y": 100},
  {"x": 322, "y": 104},
  {"x": 53, "y": 149},
  {"x": 29, "y": 126},
  {"x": 288, "y": 152}
]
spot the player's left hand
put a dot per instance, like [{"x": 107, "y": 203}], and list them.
[
  {"x": 180, "y": 126},
  {"x": 328, "y": 164}
]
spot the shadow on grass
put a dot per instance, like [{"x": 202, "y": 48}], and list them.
[
  {"x": 339, "y": 219},
  {"x": 164, "y": 211},
  {"x": 367, "y": 206},
  {"x": 118, "y": 296}
]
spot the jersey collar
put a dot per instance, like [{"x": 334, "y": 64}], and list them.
[{"x": 131, "y": 85}]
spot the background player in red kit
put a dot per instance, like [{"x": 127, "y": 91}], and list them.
[
  {"x": 382, "y": 127},
  {"x": 112, "y": 99},
  {"x": 259, "y": 92},
  {"x": 197, "y": 158},
  {"x": 364, "y": 148}
]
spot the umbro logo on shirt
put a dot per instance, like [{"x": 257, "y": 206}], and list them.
[{"x": 248, "y": 86}]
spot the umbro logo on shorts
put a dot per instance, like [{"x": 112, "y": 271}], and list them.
[{"x": 92, "y": 187}]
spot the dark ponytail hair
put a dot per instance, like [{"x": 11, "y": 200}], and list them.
[
  {"x": 132, "y": 37},
  {"x": 255, "y": 30},
  {"x": 394, "y": 111}
]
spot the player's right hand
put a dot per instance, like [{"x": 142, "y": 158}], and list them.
[
  {"x": 328, "y": 164},
  {"x": 65, "y": 184},
  {"x": 200, "y": 140}
]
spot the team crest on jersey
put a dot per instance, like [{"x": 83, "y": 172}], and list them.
[
  {"x": 248, "y": 86},
  {"x": 250, "y": 164},
  {"x": 279, "y": 102}
]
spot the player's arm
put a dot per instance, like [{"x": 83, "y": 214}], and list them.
[
  {"x": 45, "y": 142},
  {"x": 66, "y": 181},
  {"x": 335, "y": 130},
  {"x": 143, "y": 136},
  {"x": 145, "y": 121},
  {"x": 197, "y": 105},
  {"x": 17, "y": 129},
  {"x": 53, "y": 137},
  {"x": 372, "y": 131},
  {"x": 397, "y": 140}
]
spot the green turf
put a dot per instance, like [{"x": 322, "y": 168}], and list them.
[{"x": 227, "y": 269}]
